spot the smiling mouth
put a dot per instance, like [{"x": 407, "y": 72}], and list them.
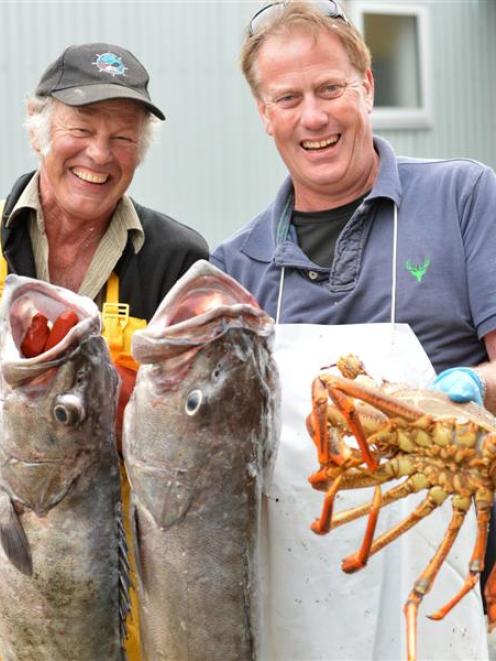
[
  {"x": 90, "y": 177},
  {"x": 317, "y": 145}
]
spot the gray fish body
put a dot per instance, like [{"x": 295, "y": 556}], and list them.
[
  {"x": 60, "y": 530},
  {"x": 196, "y": 450}
]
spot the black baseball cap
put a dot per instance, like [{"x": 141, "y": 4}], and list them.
[{"x": 88, "y": 73}]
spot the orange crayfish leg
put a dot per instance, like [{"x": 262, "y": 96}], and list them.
[{"x": 490, "y": 596}]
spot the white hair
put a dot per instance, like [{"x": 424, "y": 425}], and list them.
[{"x": 39, "y": 125}]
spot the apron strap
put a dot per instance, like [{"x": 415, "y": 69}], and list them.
[
  {"x": 279, "y": 296},
  {"x": 395, "y": 262}
]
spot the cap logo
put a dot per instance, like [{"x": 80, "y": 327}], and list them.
[{"x": 111, "y": 64}]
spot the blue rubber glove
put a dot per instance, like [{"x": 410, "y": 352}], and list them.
[{"x": 461, "y": 384}]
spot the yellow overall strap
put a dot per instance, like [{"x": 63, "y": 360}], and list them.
[
  {"x": 3, "y": 261},
  {"x": 115, "y": 316},
  {"x": 119, "y": 326}
]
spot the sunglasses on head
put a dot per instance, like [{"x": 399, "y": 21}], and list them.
[{"x": 266, "y": 14}]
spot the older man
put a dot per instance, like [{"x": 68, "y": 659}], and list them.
[
  {"x": 357, "y": 235},
  {"x": 71, "y": 222}
]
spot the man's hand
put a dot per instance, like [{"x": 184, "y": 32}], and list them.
[{"x": 461, "y": 384}]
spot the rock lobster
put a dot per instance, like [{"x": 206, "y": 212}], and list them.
[{"x": 420, "y": 437}]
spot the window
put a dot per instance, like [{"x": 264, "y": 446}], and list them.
[{"x": 397, "y": 36}]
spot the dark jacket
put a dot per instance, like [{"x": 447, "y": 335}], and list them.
[{"x": 169, "y": 249}]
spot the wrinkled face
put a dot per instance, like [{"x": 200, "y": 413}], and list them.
[
  {"x": 94, "y": 151},
  {"x": 316, "y": 106}
]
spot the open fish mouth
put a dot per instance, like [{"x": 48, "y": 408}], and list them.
[
  {"x": 203, "y": 293},
  {"x": 23, "y": 298},
  {"x": 201, "y": 307}
]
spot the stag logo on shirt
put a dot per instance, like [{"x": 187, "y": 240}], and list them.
[{"x": 418, "y": 270}]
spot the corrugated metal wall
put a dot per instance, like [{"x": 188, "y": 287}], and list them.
[
  {"x": 214, "y": 167},
  {"x": 463, "y": 78}
]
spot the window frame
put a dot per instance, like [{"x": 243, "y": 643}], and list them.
[{"x": 390, "y": 117}]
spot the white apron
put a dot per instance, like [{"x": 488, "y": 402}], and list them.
[{"x": 312, "y": 609}]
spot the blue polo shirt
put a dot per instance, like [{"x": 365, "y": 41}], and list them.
[{"x": 446, "y": 257}]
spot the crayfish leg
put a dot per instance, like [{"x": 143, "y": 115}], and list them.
[
  {"x": 411, "y": 609},
  {"x": 490, "y": 586},
  {"x": 476, "y": 565},
  {"x": 490, "y": 595},
  {"x": 359, "y": 559},
  {"x": 317, "y": 421},
  {"x": 320, "y": 480},
  {"x": 424, "y": 582},
  {"x": 322, "y": 525},
  {"x": 390, "y": 496},
  {"x": 346, "y": 406}
]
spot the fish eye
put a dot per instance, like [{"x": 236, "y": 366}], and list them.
[
  {"x": 193, "y": 402},
  {"x": 68, "y": 410}
]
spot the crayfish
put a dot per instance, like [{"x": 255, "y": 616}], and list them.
[{"x": 421, "y": 437}]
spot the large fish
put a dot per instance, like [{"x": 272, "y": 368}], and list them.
[
  {"x": 61, "y": 554},
  {"x": 199, "y": 434}
]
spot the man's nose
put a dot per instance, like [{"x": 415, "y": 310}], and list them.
[
  {"x": 99, "y": 150},
  {"x": 313, "y": 114}
]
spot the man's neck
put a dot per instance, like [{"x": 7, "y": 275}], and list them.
[
  {"x": 72, "y": 243},
  {"x": 331, "y": 197}
]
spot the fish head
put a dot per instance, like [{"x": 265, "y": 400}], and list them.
[
  {"x": 206, "y": 383},
  {"x": 57, "y": 408},
  {"x": 202, "y": 306},
  {"x": 22, "y": 299}
]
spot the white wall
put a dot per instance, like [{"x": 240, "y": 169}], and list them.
[{"x": 214, "y": 167}]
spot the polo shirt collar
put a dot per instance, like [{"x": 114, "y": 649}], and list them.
[
  {"x": 387, "y": 183},
  {"x": 261, "y": 244}
]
